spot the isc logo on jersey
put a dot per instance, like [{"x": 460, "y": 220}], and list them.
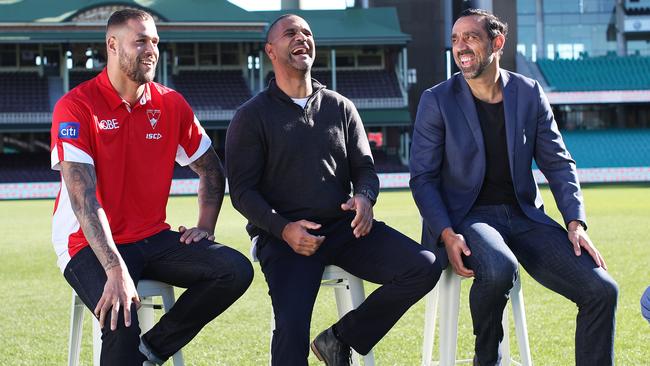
[
  {"x": 108, "y": 124},
  {"x": 153, "y": 136},
  {"x": 69, "y": 130}
]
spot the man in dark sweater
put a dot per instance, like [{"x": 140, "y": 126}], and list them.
[
  {"x": 293, "y": 154},
  {"x": 474, "y": 141}
]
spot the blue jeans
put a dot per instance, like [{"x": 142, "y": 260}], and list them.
[
  {"x": 215, "y": 277},
  {"x": 645, "y": 304},
  {"x": 406, "y": 270},
  {"x": 502, "y": 236}
]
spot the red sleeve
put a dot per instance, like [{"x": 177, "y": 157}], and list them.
[
  {"x": 70, "y": 134},
  {"x": 192, "y": 141}
]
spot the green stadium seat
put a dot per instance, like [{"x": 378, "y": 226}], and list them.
[{"x": 597, "y": 73}]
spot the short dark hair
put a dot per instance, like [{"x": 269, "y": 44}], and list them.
[
  {"x": 122, "y": 16},
  {"x": 275, "y": 22},
  {"x": 493, "y": 25}
]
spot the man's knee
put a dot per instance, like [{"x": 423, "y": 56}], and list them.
[
  {"x": 429, "y": 269},
  {"x": 499, "y": 275},
  {"x": 234, "y": 267},
  {"x": 611, "y": 291},
  {"x": 602, "y": 291},
  {"x": 422, "y": 272},
  {"x": 242, "y": 270}
]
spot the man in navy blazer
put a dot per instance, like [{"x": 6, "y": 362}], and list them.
[{"x": 474, "y": 141}]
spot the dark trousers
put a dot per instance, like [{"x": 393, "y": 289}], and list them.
[
  {"x": 406, "y": 270},
  {"x": 502, "y": 236},
  {"x": 214, "y": 275}
]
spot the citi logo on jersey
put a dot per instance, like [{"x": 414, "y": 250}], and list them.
[
  {"x": 69, "y": 130},
  {"x": 108, "y": 124},
  {"x": 153, "y": 136}
]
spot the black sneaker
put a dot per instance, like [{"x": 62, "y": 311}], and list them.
[{"x": 329, "y": 349}]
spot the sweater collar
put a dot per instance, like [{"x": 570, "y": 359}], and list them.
[{"x": 276, "y": 91}]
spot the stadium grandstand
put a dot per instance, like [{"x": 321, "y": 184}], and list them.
[
  {"x": 596, "y": 75},
  {"x": 212, "y": 52}
]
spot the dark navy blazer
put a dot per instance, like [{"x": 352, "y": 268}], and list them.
[{"x": 448, "y": 155}]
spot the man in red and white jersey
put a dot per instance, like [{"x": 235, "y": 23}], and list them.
[{"x": 115, "y": 139}]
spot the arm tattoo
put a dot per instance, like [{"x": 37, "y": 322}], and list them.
[
  {"x": 81, "y": 181},
  {"x": 212, "y": 179}
]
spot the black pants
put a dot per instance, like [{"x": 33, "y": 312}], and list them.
[
  {"x": 406, "y": 270},
  {"x": 214, "y": 275}
]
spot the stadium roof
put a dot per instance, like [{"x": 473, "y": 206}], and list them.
[
  {"x": 166, "y": 10},
  {"x": 351, "y": 26},
  {"x": 34, "y": 21}
]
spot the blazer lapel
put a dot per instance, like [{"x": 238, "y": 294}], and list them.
[
  {"x": 510, "y": 113},
  {"x": 466, "y": 103}
]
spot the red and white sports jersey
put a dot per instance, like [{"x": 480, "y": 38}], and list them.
[{"x": 132, "y": 148}]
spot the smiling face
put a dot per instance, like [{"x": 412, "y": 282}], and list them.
[
  {"x": 291, "y": 45},
  {"x": 137, "y": 50},
  {"x": 473, "y": 50}
]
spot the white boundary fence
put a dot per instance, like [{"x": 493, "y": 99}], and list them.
[{"x": 10, "y": 191}]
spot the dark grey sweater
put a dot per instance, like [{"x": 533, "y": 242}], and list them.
[{"x": 285, "y": 163}]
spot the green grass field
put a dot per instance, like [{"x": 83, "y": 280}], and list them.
[{"x": 35, "y": 299}]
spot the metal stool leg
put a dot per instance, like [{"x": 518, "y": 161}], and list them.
[
  {"x": 447, "y": 293},
  {"x": 97, "y": 342},
  {"x": 521, "y": 329},
  {"x": 343, "y": 306},
  {"x": 148, "y": 289},
  {"x": 271, "y": 337},
  {"x": 169, "y": 300},
  {"x": 430, "y": 313},
  {"x": 352, "y": 296},
  {"x": 358, "y": 296},
  {"x": 145, "y": 314},
  {"x": 504, "y": 346},
  {"x": 349, "y": 294},
  {"x": 449, "y": 308},
  {"x": 76, "y": 328}
]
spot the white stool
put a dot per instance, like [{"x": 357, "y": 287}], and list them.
[
  {"x": 146, "y": 290},
  {"x": 448, "y": 290},
  {"x": 349, "y": 294}
]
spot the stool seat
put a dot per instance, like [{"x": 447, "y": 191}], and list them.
[
  {"x": 146, "y": 290},
  {"x": 447, "y": 292}
]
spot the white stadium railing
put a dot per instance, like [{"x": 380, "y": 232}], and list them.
[
  {"x": 386, "y": 180},
  {"x": 202, "y": 115},
  {"x": 26, "y": 117},
  {"x": 375, "y": 103}
]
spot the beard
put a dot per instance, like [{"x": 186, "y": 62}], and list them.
[
  {"x": 301, "y": 65},
  {"x": 130, "y": 66},
  {"x": 472, "y": 72}
]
